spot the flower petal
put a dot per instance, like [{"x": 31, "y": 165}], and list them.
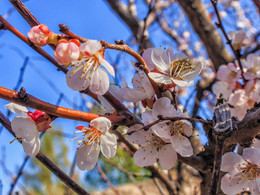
[
  {"x": 134, "y": 95},
  {"x": 252, "y": 155},
  {"x": 100, "y": 83},
  {"x": 147, "y": 58},
  {"x": 229, "y": 161},
  {"x": 32, "y": 147},
  {"x": 181, "y": 145},
  {"x": 182, "y": 83},
  {"x": 167, "y": 156},
  {"x": 163, "y": 107},
  {"x": 24, "y": 127},
  {"x": 145, "y": 156},
  {"x": 160, "y": 78},
  {"x": 74, "y": 79},
  {"x": 162, "y": 129},
  {"x": 147, "y": 117},
  {"x": 101, "y": 123},
  {"x": 139, "y": 136},
  {"x": 87, "y": 156},
  {"x": 108, "y": 145},
  {"x": 16, "y": 108},
  {"x": 231, "y": 185},
  {"x": 90, "y": 47},
  {"x": 161, "y": 59},
  {"x": 108, "y": 66}
]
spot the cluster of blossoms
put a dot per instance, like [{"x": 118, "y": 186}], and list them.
[
  {"x": 242, "y": 95},
  {"x": 162, "y": 140},
  {"x": 243, "y": 172},
  {"x": 28, "y": 126},
  {"x": 85, "y": 60}
]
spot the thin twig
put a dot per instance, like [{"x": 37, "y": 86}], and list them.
[
  {"x": 47, "y": 162},
  {"x": 159, "y": 187},
  {"x": 229, "y": 42},
  {"x": 104, "y": 177}
]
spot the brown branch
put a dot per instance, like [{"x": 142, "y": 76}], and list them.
[
  {"x": 66, "y": 30},
  {"x": 104, "y": 177},
  {"x": 47, "y": 162},
  {"x": 28, "y": 100}
]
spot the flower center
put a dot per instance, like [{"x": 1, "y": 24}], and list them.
[
  {"x": 249, "y": 171},
  {"x": 177, "y": 67},
  {"x": 87, "y": 67},
  {"x": 90, "y": 136},
  {"x": 157, "y": 142},
  {"x": 176, "y": 127}
]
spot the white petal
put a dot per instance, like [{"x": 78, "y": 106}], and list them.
[
  {"x": 163, "y": 107},
  {"x": 145, "y": 156},
  {"x": 182, "y": 83},
  {"x": 178, "y": 56},
  {"x": 100, "y": 83},
  {"x": 252, "y": 155},
  {"x": 162, "y": 130},
  {"x": 229, "y": 161},
  {"x": 90, "y": 46},
  {"x": 24, "y": 127},
  {"x": 167, "y": 156},
  {"x": 16, "y": 108},
  {"x": 134, "y": 95},
  {"x": 147, "y": 58},
  {"x": 160, "y": 78},
  {"x": 101, "y": 123},
  {"x": 187, "y": 127},
  {"x": 32, "y": 147},
  {"x": 147, "y": 117},
  {"x": 161, "y": 59},
  {"x": 108, "y": 66},
  {"x": 231, "y": 185},
  {"x": 87, "y": 156},
  {"x": 108, "y": 145},
  {"x": 74, "y": 81},
  {"x": 181, "y": 145},
  {"x": 139, "y": 137}
]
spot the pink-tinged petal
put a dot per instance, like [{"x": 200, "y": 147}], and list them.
[
  {"x": 147, "y": 117},
  {"x": 162, "y": 130},
  {"x": 32, "y": 147},
  {"x": 181, "y": 145},
  {"x": 249, "y": 75},
  {"x": 178, "y": 56},
  {"x": 134, "y": 95},
  {"x": 147, "y": 58},
  {"x": 100, "y": 83},
  {"x": 141, "y": 83},
  {"x": 252, "y": 155},
  {"x": 182, "y": 83},
  {"x": 239, "y": 112},
  {"x": 257, "y": 143},
  {"x": 108, "y": 66},
  {"x": 163, "y": 107},
  {"x": 221, "y": 87},
  {"x": 187, "y": 128},
  {"x": 161, "y": 60},
  {"x": 101, "y": 123},
  {"x": 167, "y": 157},
  {"x": 140, "y": 137},
  {"x": 232, "y": 185},
  {"x": 223, "y": 72},
  {"x": 75, "y": 80},
  {"x": 145, "y": 156},
  {"x": 16, "y": 108},
  {"x": 90, "y": 47},
  {"x": 108, "y": 145},
  {"x": 87, "y": 156},
  {"x": 24, "y": 127},
  {"x": 160, "y": 78},
  {"x": 229, "y": 161},
  {"x": 255, "y": 190}
]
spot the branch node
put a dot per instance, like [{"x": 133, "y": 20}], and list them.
[{"x": 22, "y": 93}]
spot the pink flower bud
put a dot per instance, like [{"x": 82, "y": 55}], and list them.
[
  {"x": 41, "y": 119},
  {"x": 39, "y": 35},
  {"x": 67, "y": 51}
]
